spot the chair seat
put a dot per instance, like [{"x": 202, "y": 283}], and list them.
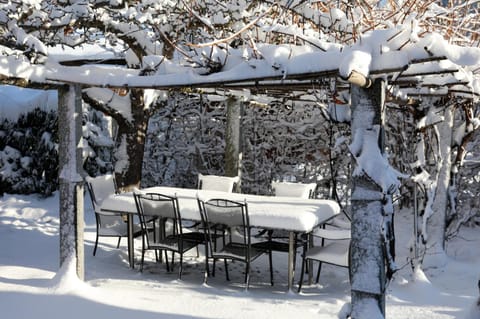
[
  {"x": 237, "y": 251},
  {"x": 281, "y": 246},
  {"x": 198, "y": 237},
  {"x": 335, "y": 253},
  {"x": 118, "y": 230},
  {"x": 171, "y": 243},
  {"x": 113, "y": 230},
  {"x": 277, "y": 240}
]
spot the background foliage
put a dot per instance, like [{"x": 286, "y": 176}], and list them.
[{"x": 28, "y": 153}]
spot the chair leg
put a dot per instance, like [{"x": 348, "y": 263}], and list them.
[
  {"x": 96, "y": 244},
  {"x": 213, "y": 267},
  {"x": 118, "y": 243},
  {"x": 247, "y": 275},
  {"x": 214, "y": 250},
  {"x": 304, "y": 261},
  {"x": 271, "y": 266},
  {"x": 301, "y": 275},
  {"x": 226, "y": 269},
  {"x": 206, "y": 274},
  {"x": 207, "y": 270},
  {"x": 269, "y": 235},
  {"x": 318, "y": 272},
  {"x": 167, "y": 263},
  {"x": 143, "y": 258},
  {"x": 173, "y": 261},
  {"x": 295, "y": 240},
  {"x": 143, "y": 253},
  {"x": 180, "y": 267}
]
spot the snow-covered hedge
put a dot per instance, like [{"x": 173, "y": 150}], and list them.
[
  {"x": 29, "y": 153},
  {"x": 281, "y": 140},
  {"x": 29, "y": 150},
  {"x": 185, "y": 136}
]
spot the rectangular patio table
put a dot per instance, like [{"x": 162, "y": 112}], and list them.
[{"x": 293, "y": 214}]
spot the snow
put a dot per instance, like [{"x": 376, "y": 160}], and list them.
[
  {"x": 26, "y": 39},
  {"x": 33, "y": 286},
  {"x": 372, "y": 162},
  {"x": 108, "y": 97}
]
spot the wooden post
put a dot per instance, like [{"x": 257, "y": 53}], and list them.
[
  {"x": 71, "y": 182},
  {"x": 233, "y": 154},
  {"x": 367, "y": 263}
]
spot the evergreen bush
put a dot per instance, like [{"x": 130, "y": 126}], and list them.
[
  {"x": 29, "y": 151},
  {"x": 29, "y": 154}
]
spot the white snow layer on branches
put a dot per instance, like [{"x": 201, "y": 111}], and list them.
[
  {"x": 376, "y": 50},
  {"x": 121, "y": 156},
  {"x": 110, "y": 99},
  {"x": 27, "y": 40}
]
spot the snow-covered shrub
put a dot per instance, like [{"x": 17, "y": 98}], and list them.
[
  {"x": 29, "y": 154},
  {"x": 29, "y": 151}
]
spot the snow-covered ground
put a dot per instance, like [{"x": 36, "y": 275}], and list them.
[{"x": 32, "y": 286}]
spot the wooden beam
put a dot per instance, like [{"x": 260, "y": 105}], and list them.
[
  {"x": 439, "y": 72},
  {"x": 80, "y": 62},
  {"x": 356, "y": 78}
]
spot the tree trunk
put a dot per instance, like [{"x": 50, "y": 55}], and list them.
[
  {"x": 367, "y": 263},
  {"x": 130, "y": 144},
  {"x": 436, "y": 223},
  {"x": 71, "y": 182},
  {"x": 232, "y": 138}
]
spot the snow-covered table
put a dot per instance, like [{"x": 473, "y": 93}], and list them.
[{"x": 296, "y": 215}]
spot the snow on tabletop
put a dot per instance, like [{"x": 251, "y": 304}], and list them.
[{"x": 270, "y": 211}]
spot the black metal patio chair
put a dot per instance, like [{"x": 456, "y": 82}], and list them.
[
  {"x": 222, "y": 214},
  {"x": 167, "y": 234}
]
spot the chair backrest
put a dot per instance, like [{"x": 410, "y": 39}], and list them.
[
  {"x": 99, "y": 188},
  {"x": 289, "y": 189},
  {"x": 151, "y": 205},
  {"x": 220, "y": 214},
  {"x": 217, "y": 183},
  {"x": 157, "y": 205},
  {"x": 226, "y": 212}
]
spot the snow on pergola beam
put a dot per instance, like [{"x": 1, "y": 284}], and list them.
[
  {"x": 300, "y": 71},
  {"x": 260, "y": 80}
]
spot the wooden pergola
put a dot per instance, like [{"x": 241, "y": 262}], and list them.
[{"x": 418, "y": 77}]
